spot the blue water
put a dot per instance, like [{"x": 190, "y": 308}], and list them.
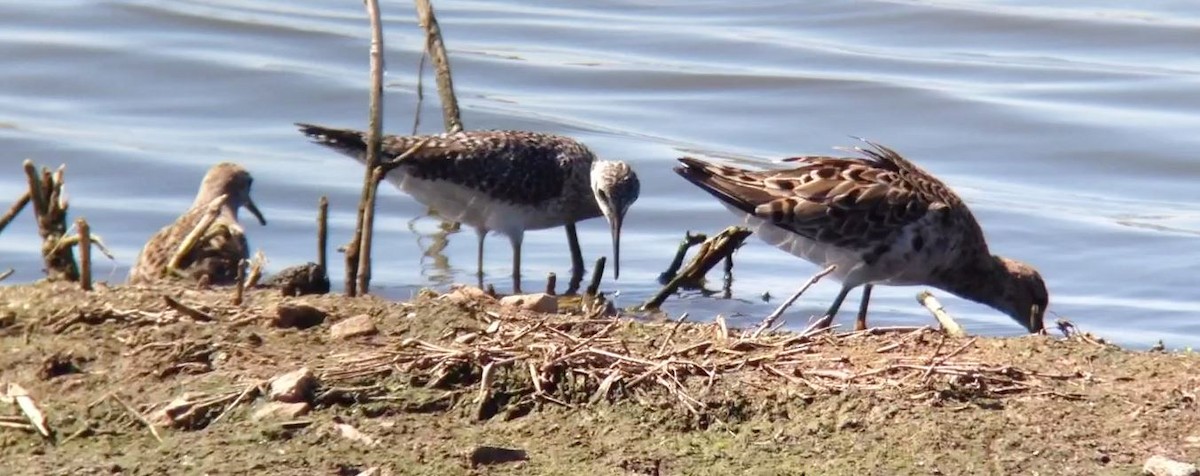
[{"x": 1069, "y": 127}]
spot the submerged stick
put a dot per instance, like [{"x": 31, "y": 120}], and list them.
[
  {"x": 441, "y": 65},
  {"x": 4, "y": 275},
  {"x": 770, "y": 319},
  {"x": 711, "y": 252},
  {"x": 85, "y": 254},
  {"x": 949, "y": 326},
  {"x": 14, "y": 210}
]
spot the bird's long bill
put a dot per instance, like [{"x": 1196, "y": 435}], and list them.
[
  {"x": 254, "y": 210},
  {"x": 615, "y": 224}
]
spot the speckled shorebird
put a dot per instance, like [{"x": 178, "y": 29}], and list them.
[
  {"x": 221, "y": 246},
  {"x": 881, "y": 220},
  {"x": 504, "y": 181}
]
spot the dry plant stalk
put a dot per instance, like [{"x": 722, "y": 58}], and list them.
[
  {"x": 85, "y": 254},
  {"x": 949, "y": 325},
  {"x": 50, "y": 212},
  {"x": 16, "y": 394},
  {"x": 820, "y": 324},
  {"x": 240, "y": 290},
  {"x": 436, "y": 48},
  {"x": 193, "y": 237},
  {"x": 138, "y": 416},
  {"x": 14, "y": 210},
  {"x": 323, "y": 233},
  {"x": 257, "y": 263},
  {"x": 711, "y": 252}
]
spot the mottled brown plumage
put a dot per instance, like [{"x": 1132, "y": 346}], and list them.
[
  {"x": 216, "y": 254},
  {"x": 503, "y": 181},
  {"x": 881, "y": 220}
]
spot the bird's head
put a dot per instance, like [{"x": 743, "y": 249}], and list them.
[{"x": 616, "y": 187}]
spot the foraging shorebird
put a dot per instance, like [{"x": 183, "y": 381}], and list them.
[
  {"x": 218, "y": 248},
  {"x": 881, "y": 220},
  {"x": 504, "y": 181}
]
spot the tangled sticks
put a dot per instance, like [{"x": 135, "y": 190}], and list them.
[{"x": 517, "y": 360}]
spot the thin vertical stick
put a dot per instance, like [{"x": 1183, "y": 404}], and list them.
[
  {"x": 364, "y": 254},
  {"x": 241, "y": 283},
  {"x": 441, "y": 65},
  {"x": 85, "y": 254},
  {"x": 597, "y": 274},
  {"x": 355, "y": 252},
  {"x": 551, "y": 283},
  {"x": 323, "y": 233}
]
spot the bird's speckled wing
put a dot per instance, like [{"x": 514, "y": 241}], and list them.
[
  {"x": 844, "y": 201},
  {"x": 515, "y": 166}
]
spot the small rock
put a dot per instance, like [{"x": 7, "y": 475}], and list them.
[
  {"x": 178, "y": 413},
  {"x": 281, "y": 410},
  {"x": 467, "y": 294},
  {"x": 486, "y": 455},
  {"x": 308, "y": 278},
  {"x": 293, "y": 387},
  {"x": 359, "y": 325},
  {"x": 1162, "y": 466},
  {"x": 539, "y": 302},
  {"x": 300, "y": 316}
]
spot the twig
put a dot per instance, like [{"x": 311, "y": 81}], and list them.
[
  {"x": 4, "y": 275},
  {"x": 770, "y": 319},
  {"x": 367, "y": 238},
  {"x": 689, "y": 240},
  {"x": 138, "y": 416},
  {"x": 14, "y": 210},
  {"x": 198, "y": 231},
  {"x": 186, "y": 310},
  {"x": 597, "y": 274},
  {"x": 244, "y": 394},
  {"x": 949, "y": 326},
  {"x": 420, "y": 88},
  {"x": 323, "y": 233},
  {"x": 711, "y": 252},
  {"x": 551, "y": 283},
  {"x": 441, "y": 65},
  {"x": 85, "y": 254},
  {"x": 675, "y": 328}
]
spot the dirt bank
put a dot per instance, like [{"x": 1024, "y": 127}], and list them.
[{"x": 579, "y": 393}]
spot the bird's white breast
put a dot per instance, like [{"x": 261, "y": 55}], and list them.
[{"x": 472, "y": 207}]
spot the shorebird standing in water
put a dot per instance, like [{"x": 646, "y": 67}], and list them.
[
  {"x": 221, "y": 246},
  {"x": 504, "y": 181},
  {"x": 881, "y": 220}
]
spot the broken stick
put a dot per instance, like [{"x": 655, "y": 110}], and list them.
[{"x": 949, "y": 326}]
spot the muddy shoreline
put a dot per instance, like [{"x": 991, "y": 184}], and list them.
[{"x": 427, "y": 386}]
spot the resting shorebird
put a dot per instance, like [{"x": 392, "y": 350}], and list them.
[
  {"x": 504, "y": 181},
  {"x": 881, "y": 220},
  {"x": 219, "y": 248}
]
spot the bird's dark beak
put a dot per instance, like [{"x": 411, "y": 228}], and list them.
[
  {"x": 254, "y": 210},
  {"x": 615, "y": 224}
]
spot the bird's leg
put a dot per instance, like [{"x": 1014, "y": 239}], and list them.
[
  {"x": 516, "y": 239},
  {"x": 481, "y": 233},
  {"x": 833, "y": 309},
  {"x": 860, "y": 324},
  {"x": 576, "y": 259}
]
